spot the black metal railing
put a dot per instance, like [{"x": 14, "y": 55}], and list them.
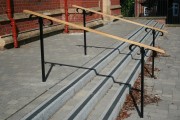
[
  {"x": 142, "y": 51},
  {"x": 40, "y": 20},
  {"x": 154, "y": 53},
  {"x": 143, "y": 54}
]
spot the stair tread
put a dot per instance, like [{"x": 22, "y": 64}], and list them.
[
  {"x": 120, "y": 79},
  {"x": 105, "y": 70},
  {"x": 101, "y": 105},
  {"x": 124, "y": 74},
  {"x": 86, "y": 90}
]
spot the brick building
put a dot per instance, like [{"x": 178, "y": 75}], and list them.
[
  {"x": 173, "y": 14},
  {"x": 144, "y": 8},
  {"x": 15, "y": 24},
  {"x": 170, "y": 9}
]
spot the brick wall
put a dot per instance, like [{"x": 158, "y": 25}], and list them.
[
  {"x": 85, "y": 3},
  {"x": 116, "y": 11},
  {"x": 25, "y": 24},
  {"x": 115, "y": 2},
  {"x": 2, "y": 6}
]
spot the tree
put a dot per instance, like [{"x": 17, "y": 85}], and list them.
[{"x": 127, "y": 8}]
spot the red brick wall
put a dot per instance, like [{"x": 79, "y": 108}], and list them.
[
  {"x": 35, "y": 5},
  {"x": 40, "y": 5},
  {"x": 2, "y": 6},
  {"x": 85, "y": 3},
  {"x": 115, "y": 2},
  {"x": 5, "y": 28},
  {"x": 115, "y": 11},
  {"x": 19, "y": 6}
]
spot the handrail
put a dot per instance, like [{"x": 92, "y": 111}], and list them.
[
  {"x": 111, "y": 16},
  {"x": 95, "y": 31}
]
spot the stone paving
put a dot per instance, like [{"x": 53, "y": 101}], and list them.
[
  {"x": 21, "y": 89},
  {"x": 167, "y": 84}
]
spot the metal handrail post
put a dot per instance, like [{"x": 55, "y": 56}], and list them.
[
  {"x": 142, "y": 80},
  {"x": 142, "y": 51},
  {"x": 153, "y": 52},
  {"x": 40, "y": 20},
  {"x": 84, "y": 24}
]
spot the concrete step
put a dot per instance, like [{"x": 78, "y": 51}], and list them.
[
  {"x": 48, "y": 107},
  {"x": 84, "y": 93},
  {"x": 100, "y": 110},
  {"x": 98, "y": 89},
  {"x": 130, "y": 73},
  {"x": 109, "y": 107}
]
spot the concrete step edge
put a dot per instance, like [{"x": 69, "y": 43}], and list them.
[
  {"x": 90, "y": 106},
  {"x": 118, "y": 107},
  {"x": 50, "y": 99}
]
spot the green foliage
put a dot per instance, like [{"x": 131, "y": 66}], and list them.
[{"x": 127, "y": 8}]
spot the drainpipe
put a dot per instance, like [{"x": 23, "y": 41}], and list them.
[
  {"x": 13, "y": 23},
  {"x": 66, "y": 15}
]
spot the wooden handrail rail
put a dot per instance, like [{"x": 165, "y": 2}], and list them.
[
  {"x": 115, "y": 17},
  {"x": 95, "y": 31}
]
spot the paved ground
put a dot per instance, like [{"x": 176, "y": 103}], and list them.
[
  {"x": 167, "y": 86},
  {"x": 21, "y": 89}
]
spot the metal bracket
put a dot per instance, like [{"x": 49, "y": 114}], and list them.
[
  {"x": 131, "y": 49},
  {"x": 51, "y": 22},
  {"x": 86, "y": 12}
]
